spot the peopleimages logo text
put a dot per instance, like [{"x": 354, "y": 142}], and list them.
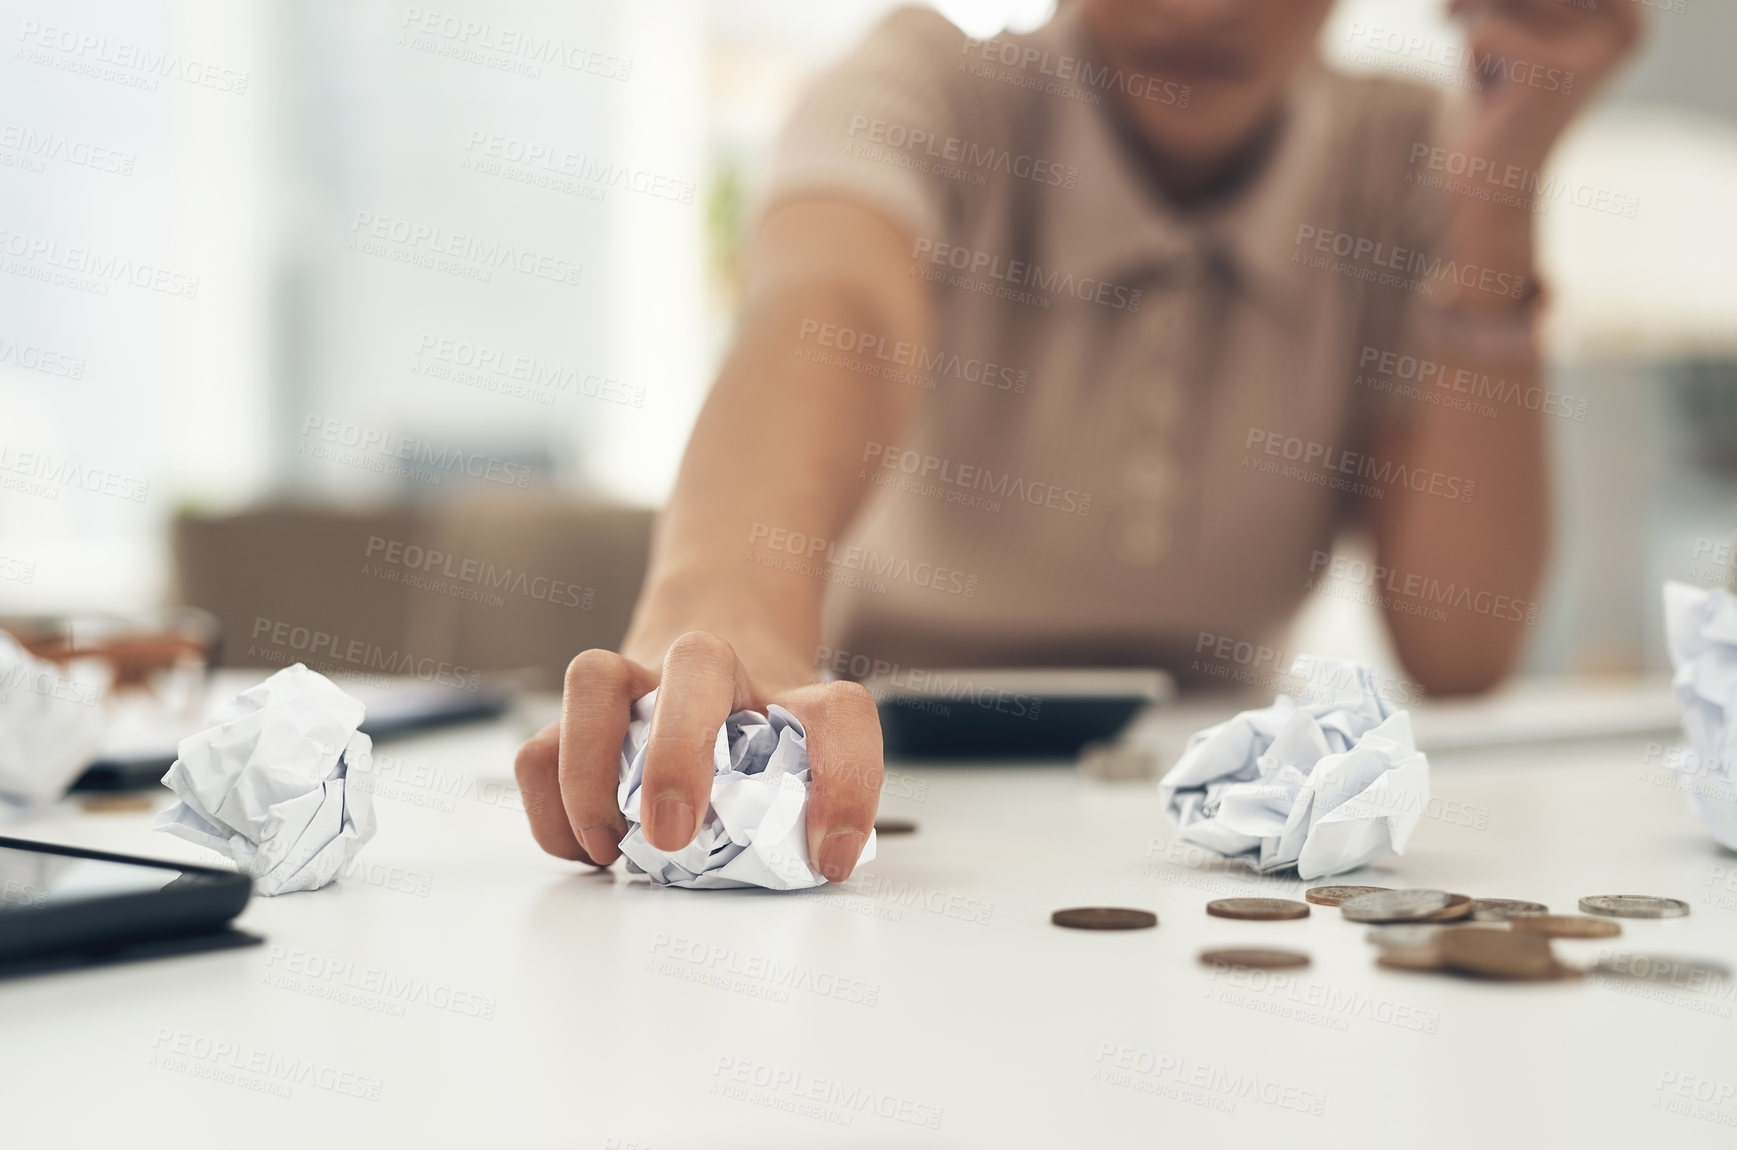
[
  {"x": 430, "y": 561},
  {"x": 331, "y": 430},
  {"x": 1336, "y": 459},
  {"x": 1005, "y": 485},
  {"x": 1024, "y": 274},
  {"x": 813, "y": 549},
  {"x": 1069, "y": 69},
  {"x": 312, "y": 643},
  {"x": 1414, "y": 262},
  {"x": 967, "y": 154}
]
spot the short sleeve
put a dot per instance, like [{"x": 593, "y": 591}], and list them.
[{"x": 866, "y": 129}]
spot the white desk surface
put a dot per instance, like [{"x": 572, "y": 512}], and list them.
[{"x": 487, "y": 995}]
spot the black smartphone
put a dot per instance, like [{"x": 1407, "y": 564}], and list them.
[{"x": 60, "y": 906}]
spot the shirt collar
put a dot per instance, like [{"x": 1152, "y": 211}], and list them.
[{"x": 1123, "y": 227}]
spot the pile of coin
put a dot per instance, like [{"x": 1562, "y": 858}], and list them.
[
  {"x": 1512, "y": 940},
  {"x": 1407, "y": 906},
  {"x": 1436, "y": 930}
]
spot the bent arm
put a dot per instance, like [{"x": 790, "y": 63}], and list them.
[
  {"x": 1489, "y": 545},
  {"x": 1493, "y": 547},
  {"x": 778, "y": 444}
]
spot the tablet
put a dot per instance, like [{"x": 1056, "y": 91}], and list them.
[
  {"x": 79, "y": 905},
  {"x": 1010, "y": 713}
]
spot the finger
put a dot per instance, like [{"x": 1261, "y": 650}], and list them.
[
  {"x": 703, "y": 682},
  {"x": 844, "y": 758},
  {"x": 596, "y": 706},
  {"x": 540, "y": 790}
]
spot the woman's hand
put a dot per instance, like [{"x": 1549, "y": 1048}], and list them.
[
  {"x": 569, "y": 771},
  {"x": 1537, "y": 63}
]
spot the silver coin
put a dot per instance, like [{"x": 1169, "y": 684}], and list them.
[
  {"x": 1402, "y": 935},
  {"x": 1634, "y": 906},
  {"x": 1396, "y": 905},
  {"x": 1683, "y": 973},
  {"x": 1503, "y": 909}
]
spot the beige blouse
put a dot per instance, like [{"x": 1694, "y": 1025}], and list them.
[{"x": 1137, "y": 426}]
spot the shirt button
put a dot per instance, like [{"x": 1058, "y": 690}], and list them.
[
  {"x": 1157, "y": 400},
  {"x": 1141, "y": 542},
  {"x": 1148, "y": 475}
]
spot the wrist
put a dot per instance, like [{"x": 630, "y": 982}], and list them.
[
  {"x": 1489, "y": 235},
  {"x": 774, "y": 639}
]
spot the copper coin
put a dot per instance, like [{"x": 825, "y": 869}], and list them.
[
  {"x": 895, "y": 827},
  {"x": 1261, "y": 958},
  {"x": 1104, "y": 918},
  {"x": 1334, "y": 895},
  {"x": 1565, "y": 926},
  {"x": 1634, "y": 906},
  {"x": 1412, "y": 958},
  {"x": 1262, "y": 909},
  {"x": 1459, "y": 906},
  {"x": 1496, "y": 953},
  {"x": 1503, "y": 909}
]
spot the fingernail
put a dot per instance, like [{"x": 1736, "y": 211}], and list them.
[
  {"x": 673, "y": 820},
  {"x": 838, "y": 854}
]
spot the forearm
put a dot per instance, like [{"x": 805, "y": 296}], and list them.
[
  {"x": 777, "y": 448},
  {"x": 1477, "y": 559}
]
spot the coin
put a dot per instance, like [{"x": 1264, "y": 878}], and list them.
[
  {"x": 1402, "y": 935},
  {"x": 1334, "y": 895},
  {"x": 1264, "y": 909},
  {"x": 1565, "y": 926},
  {"x": 1396, "y": 905},
  {"x": 1503, "y": 909},
  {"x": 1459, "y": 906},
  {"x": 1634, "y": 906},
  {"x": 1411, "y": 958},
  {"x": 895, "y": 827},
  {"x": 1104, "y": 918},
  {"x": 1258, "y": 957},
  {"x": 1496, "y": 953}
]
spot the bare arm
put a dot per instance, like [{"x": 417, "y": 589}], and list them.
[
  {"x": 777, "y": 445},
  {"x": 780, "y": 439},
  {"x": 1491, "y": 549}
]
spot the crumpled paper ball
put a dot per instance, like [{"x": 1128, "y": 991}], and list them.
[
  {"x": 1324, "y": 783},
  {"x": 1701, "y": 632},
  {"x": 278, "y": 782},
  {"x": 51, "y": 721},
  {"x": 754, "y": 833}
]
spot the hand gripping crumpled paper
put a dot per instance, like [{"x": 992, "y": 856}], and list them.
[
  {"x": 278, "y": 782},
  {"x": 1701, "y": 632},
  {"x": 51, "y": 722},
  {"x": 754, "y": 833},
  {"x": 1324, "y": 783}
]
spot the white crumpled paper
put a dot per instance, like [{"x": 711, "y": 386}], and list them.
[
  {"x": 1325, "y": 783},
  {"x": 278, "y": 782},
  {"x": 51, "y": 721},
  {"x": 1701, "y": 632},
  {"x": 754, "y": 832}
]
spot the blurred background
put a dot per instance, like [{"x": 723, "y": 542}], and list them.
[{"x": 303, "y": 293}]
